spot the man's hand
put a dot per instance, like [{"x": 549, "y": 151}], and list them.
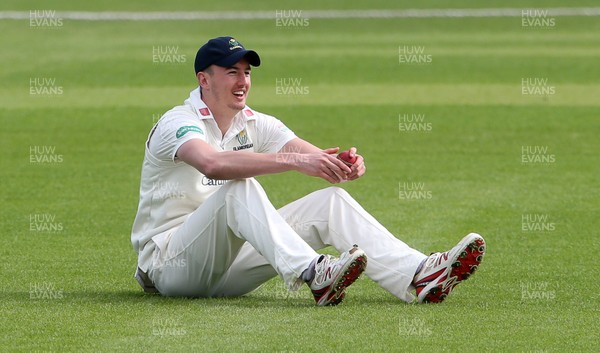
[
  {"x": 326, "y": 165},
  {"x": 358, "y": 168},
  {"x": 323, "y": 164}
]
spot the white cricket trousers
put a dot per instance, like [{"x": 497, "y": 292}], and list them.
[{"x": 236, "y": 240}]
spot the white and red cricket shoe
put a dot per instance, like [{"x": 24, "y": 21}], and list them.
[
  {"x": 333, "y": 275},
  {"x": 443, "y": 271}
]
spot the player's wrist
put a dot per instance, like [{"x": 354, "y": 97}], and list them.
[{"x": 289, "y": 160}]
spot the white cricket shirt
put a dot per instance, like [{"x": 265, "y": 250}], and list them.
[{"x": 170, "y": 189}]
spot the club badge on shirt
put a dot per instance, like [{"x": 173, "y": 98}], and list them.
[{"x": 242, "y": 138}]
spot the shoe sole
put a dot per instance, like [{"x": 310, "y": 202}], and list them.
[
  {"x": 337, "y": 290},
  {"x": 463, "y": 265}
]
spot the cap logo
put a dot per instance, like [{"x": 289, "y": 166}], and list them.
[{"x": 234, "y": 44}]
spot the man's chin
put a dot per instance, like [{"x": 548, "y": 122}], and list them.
[{"x": 238, "y": 106}]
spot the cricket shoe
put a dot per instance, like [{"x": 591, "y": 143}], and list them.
[
  {"x": 443, "y": 271},
  {"x": 333, "y": 275},
  {"x": 145, "y": 282}
]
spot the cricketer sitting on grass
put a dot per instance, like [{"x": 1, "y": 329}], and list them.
[{"x": 205, "y": 227}]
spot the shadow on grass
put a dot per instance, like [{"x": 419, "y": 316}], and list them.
[
  {"x": 257, "y": 299},
  {"x": 134, "y": 297}
]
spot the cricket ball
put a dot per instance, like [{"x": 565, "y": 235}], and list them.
[{"x": 345, "y": 157}]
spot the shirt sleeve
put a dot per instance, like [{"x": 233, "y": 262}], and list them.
[
  {"x": 173, "y": 131},
  {"x": 272, "y": 134}
]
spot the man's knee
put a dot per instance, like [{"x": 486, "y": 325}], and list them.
[
  {"x": 246, "y": 189},
  {"x": 243, "y": 184},
  {"x": 335, "y": 192}
]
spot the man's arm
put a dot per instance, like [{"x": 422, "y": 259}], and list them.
[
  {"x": 299, "y": 145},
  {"x": 236, "y": 165}
]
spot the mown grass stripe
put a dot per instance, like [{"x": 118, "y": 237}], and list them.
[
  {"x": 323, "y": 14},
  {"x": 317, "y": 94}
]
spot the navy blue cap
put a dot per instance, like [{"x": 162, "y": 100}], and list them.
[{"x": 225, "y": 52}]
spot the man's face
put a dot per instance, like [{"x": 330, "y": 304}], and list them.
[{"x": 227, "y": 86}]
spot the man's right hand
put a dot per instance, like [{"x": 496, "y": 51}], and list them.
[{"x": 324, "y": 165}]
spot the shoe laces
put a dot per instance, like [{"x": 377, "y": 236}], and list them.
[{"x": 321, "y": 267}]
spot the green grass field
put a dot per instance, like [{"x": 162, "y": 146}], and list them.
[{"x": 520, "y": 169}]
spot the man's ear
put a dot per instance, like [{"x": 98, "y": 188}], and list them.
[{"x": 202, "y": 79}]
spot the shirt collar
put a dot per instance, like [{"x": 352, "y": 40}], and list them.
[{"x": 203, "y": 112}]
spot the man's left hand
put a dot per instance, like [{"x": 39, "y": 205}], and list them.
[{"x": 358, "y": 168}]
